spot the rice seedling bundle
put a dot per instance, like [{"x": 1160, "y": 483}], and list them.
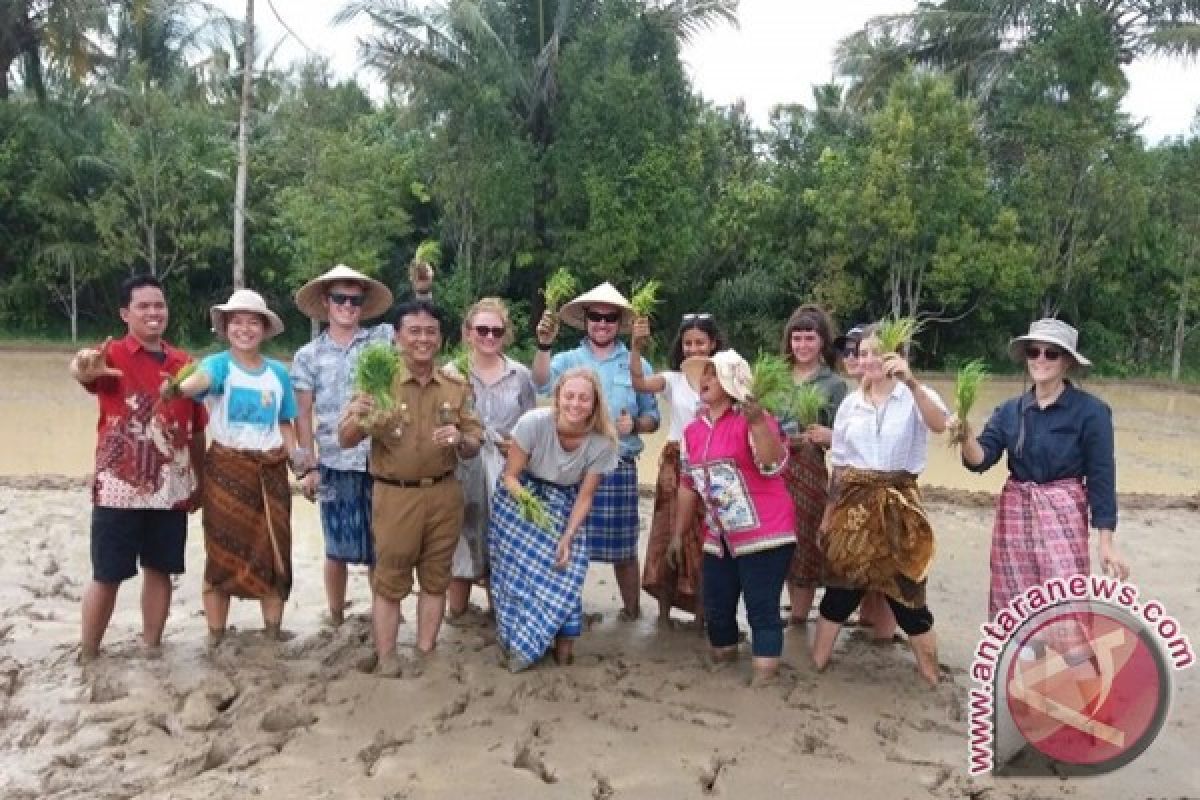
[
  {"x": 533, "y": 510},
  {"x": 771, "y": 383},
  {"x": 376, "y": 369},
  {"x": 967, "y": 382},
  {"x": 646, "y": 298},
  {"x": 560, "y": 288},
  {"x": 806, "y": 403}
]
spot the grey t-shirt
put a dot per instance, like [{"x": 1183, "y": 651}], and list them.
[{"x": 548, "y": 461}]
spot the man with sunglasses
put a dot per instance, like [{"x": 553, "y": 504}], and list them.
[
  {"x": 612, "y": 524},
  {"x": 321, "y": 374}
]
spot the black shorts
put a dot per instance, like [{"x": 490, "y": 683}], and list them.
[{"x": 121, "y": 535}]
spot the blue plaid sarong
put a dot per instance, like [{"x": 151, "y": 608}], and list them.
[
  {"x": 534, "y": 601},
  {"x": 612, "y": 524},
  {"x": 344, "y": 499}
]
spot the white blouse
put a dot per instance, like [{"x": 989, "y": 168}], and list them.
[
  {"x": 891, "y": 438},
  {"x": 683, "y": 402}
]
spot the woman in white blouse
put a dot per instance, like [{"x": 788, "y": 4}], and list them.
[
  {"x": 875, "y": 535},
  {"x": 677, "y": 587}
]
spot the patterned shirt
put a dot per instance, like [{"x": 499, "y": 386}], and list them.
[
  {"x": 325, "y": 368},
  {"x": 615, "y": 381},
  {"x": 891, "y": 438},
  {"x": 749, "y": 507},
  {"x": 143, "y": 456}
]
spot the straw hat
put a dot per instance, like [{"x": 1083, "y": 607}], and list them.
[
  {"x": 574, "y": 312},
  {"x": 733, "y": 373},
  {"x": 245, "y": 300},
  {"x": 1049, "y": 331},
  {"x": 310, "y": 298}
]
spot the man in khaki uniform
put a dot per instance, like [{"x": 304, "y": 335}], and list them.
[{"x": 417, "y": 503}]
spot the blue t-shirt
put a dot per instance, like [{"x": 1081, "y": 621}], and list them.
[
  {"x": 616, "y": 383},
  {"x": 245, "y": 407}
]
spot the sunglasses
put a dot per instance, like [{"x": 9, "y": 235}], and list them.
[
  {"x": 850, "y": 352},
  {"x": 610, "y": 318},
  {"x": 1033, "y": 352},
  {"x": 340, "y": 299},
  {"x": 692, "y": 317},
  {"x": 487, "y": 330}
]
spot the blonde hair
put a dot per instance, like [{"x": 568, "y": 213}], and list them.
[
  {"x": 600, "y": 422},
  {"x": 497, "y": 307}
]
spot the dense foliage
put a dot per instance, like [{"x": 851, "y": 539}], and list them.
[{"x": 963, "y": 174}]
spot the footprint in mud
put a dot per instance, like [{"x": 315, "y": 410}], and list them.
[
  {"x": 455, "y": 708},
  {"x": 708, "y": 777},
  {"x": 285, "y": 718},
  {"x": 526, "y": 756},
  {"x": 106, "y": 688},
  {"x": 383, "y": 744},
  {"x": 603, "y": 789}
]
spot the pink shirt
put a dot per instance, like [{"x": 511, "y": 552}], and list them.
[{"x": 750, "y": 507}]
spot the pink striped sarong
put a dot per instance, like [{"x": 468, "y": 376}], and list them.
[{"x": 1040, "y": 533}]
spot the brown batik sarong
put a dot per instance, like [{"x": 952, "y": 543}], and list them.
[
  {"x": 879, "y": 537},
  {"x": 808, "y": 483},
  {"x": 247, "y": 522},
  {"x": 658, "y": 576}
]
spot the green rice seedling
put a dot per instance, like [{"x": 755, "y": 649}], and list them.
[
  {"x": 376, "y": 369},
  {"x": 560, "y": 288},
  {"x": 771, "y": 383},
  {"x": 429, "y": 252},
  {"x": 896, "y": 334},
  {"x": 533, "y": 510},
  {"x": 186, "y": 372},
  {"x": 806, "y": 403},
  {"x": 646, "y": 298},
  {"x": 967, "y": 383}
]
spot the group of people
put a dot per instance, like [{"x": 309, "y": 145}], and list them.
[{"x": 462, "y": 480}]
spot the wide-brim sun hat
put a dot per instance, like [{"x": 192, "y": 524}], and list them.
[
  {"x": 245, "y": 300},
  {"x": 574, "y": 313},
  {"x": 733, "y": 373},
  {"x": 310, "y": 298},
  {"x": 1049, "y": 331}
]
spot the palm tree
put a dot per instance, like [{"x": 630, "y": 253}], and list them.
[
  {"x": 978, "y": 41},
  {"x": 65, "y": 33}
]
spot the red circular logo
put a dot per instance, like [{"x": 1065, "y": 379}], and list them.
[{"x": 1086, "y": 687}]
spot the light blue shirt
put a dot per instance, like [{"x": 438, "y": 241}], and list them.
[
  {"x": 616, "y": 382},
  {"x": 245, "y": 408}
]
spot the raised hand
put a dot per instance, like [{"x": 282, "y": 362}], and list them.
[
  {"x": 547, "y": 328},
  {"x": 91, "y": 364}
]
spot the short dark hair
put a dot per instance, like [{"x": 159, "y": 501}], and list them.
[
  {"x": 811, "y": 317},
  {"x": 134, "y": 282},
  {"x": 697, "y": 322},
  {"x": 418, "y": 306}
]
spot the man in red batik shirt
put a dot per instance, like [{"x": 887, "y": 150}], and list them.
[{"x": 149, "y": 460}]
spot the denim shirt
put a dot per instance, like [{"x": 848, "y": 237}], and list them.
[
  {"x": 616, "y": 383},
  {"x": 1070, "y": 438}
]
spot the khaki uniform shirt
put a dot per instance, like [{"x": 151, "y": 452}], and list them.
[{"x": 402, "y": 448}]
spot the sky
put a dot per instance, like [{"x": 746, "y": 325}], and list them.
[{"x": 779, "y": 51}]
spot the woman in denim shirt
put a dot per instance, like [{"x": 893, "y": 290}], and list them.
[{"x": 1059, "y": 441}]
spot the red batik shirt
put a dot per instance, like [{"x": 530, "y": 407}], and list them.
[{"x": 143, "y": 446}]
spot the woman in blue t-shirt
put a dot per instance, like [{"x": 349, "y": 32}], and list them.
[{"x": 247, "y": 498}]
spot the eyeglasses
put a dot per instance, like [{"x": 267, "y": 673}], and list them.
[
  {"x": 692, "y": 317},
  {"x": 340, "y": 299},
  {"x": 1033, "y": 352},
  {"x": 486, "y": 330},
  {"x": 596, "y": 316}
]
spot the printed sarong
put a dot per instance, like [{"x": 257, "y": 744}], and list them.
[
  {"x": 247, "y": 522},
  {"x": 879, "y": 537},
  {"x": 658, "y": 577},
  {"x": 612, "y": 524},
  {"x": 808, "y": 483},
  {"x": 535, "y": 601},
  {"x": 1040, "y": 532}
]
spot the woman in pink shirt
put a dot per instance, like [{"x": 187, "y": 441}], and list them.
[{"x": 733, "y": 459}]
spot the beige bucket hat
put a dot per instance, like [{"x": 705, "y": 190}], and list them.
[
  {"x": 574, "y": 313},
  {"x": 733, "y": 373},
  {"x": 311, "y": 296},
  {"x": 1049, "y": 331},
  {"x": 245, "y": 300}
]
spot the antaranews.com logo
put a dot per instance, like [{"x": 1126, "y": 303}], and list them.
[{"x": 1073, "y": 677}]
